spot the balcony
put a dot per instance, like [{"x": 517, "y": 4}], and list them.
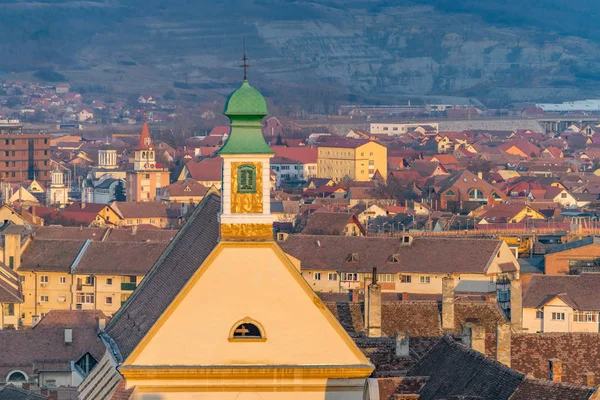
[{"x": 128, "y": 286}]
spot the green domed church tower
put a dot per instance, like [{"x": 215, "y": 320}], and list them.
[{"x": 246, "y": 202}]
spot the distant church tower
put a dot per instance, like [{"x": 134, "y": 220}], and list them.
[
  {"x": 107, "y": 158},
  {"x": 147, "y": 176},
  {"x": 58, "y": 194}
]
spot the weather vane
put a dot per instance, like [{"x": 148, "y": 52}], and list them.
[{"x": 245, "y": 65}]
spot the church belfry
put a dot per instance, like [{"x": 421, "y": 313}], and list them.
[
  {"x": 147, "y": 177},
  {"x": 246, "y": 202}
]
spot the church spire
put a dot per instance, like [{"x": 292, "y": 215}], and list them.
[
  {"x": 145, "y": 142},
  {"x": 246, "y": 186}
]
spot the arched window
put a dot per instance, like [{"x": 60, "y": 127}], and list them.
[
  {"x": 143, "y": 154},
  {"x": 247, "y": 330},
  {"x": 476, "y": 194},
  {"x": 449, "y": 193},
  {"x": 246, "y": 179},
  {"x": 16, "y": 376}
]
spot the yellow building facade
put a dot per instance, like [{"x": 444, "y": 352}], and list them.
[
  {"x": 356, "y": 160},
  {"x": 44, "y": 291}
]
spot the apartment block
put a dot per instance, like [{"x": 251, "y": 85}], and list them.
[
  {"x": 351, "y": 159},
  {"x": 24, "y": 156}
]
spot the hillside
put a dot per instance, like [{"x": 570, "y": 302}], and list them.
[{"x": 312, "y": 52}]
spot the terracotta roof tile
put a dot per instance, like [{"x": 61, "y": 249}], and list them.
[
  {"x": 208, "y": 169},
  {"x": 50, "y": 255},
  {"x": 328, "y": 223},
  {"x": 432, "y": 255},
  {"x": 141, "y": 209},
  {"x": 579, "y": 353},
  {"x": 43, "y": 346},
  {"x": 189, "y": 187},
  {"x": 119, "y": 258},
  {"x": 579, "y": 290},
  {"x": 532, "y": 389}
]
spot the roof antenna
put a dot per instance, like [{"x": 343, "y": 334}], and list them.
[{"x": 245, "y": 65}]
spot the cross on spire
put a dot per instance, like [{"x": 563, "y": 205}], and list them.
[{"x": 245, "y": 65}]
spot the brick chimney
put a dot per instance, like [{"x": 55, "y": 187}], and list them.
[
  {"x": 473, "y": 336},
  {"x": 516, "y": 304},
  {"x": 503, "y": 342},
  {"x": 402, "y": 344},
  {"x": 373, "y": 307},
  {"x": 448, "y": 303},
  {"x": 354, "y": 295},
  {"x": 589, "y": 379},
  {"x": 555, "y": 370}
]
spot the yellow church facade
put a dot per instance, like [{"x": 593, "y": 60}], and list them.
[{"x": 238, "y": 321}]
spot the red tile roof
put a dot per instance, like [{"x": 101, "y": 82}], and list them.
[
  {"x": 220, "y": 130},
  {"x": 208, "y": 169},
  {"x": 305, "y": 154}
]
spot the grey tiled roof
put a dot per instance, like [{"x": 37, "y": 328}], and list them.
[
  {"x": 454, "y": 370},
  {"x": 573, "y": 245},
  {"x": 184, "y": 255}
]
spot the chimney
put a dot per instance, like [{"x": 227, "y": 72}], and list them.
[
  {"x": 101, "y": 324},
  {"x": 354, "y": 295},
  {"x": 34, "y": 320},
  {"x": 589, "y": 379},
  {"x": 516, "y": 304},
  {"x": 480, "y": 175},
  {"x": 473, "y": 336},
  {"x": 373, "y": 308},
  {"x": 503, "y": 343},
  {"x": 82, "y": 204},
  {"x": 68, "y": 336},
  {"x": 134, "y": 229},
  {"x": 555, "y": 373},
  {"x": 402, "y": 345},
  {"x": 448, "y": 303}
]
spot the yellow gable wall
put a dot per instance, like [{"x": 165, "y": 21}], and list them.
[{"x": 253, "y": 280}]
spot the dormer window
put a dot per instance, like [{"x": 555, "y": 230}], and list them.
[
  {"x": 352, "y": 257},
  {"x": 246, "y": 179},
  {"x": 394, "y": 258},
  {"x": 187, "y": 189},
  {"x": 247, "y": 330}
]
